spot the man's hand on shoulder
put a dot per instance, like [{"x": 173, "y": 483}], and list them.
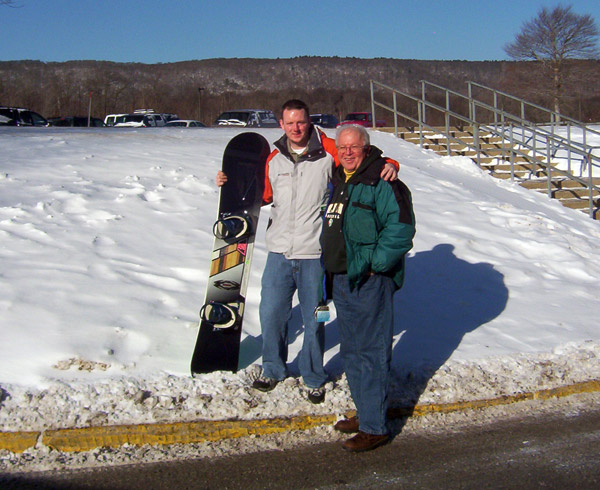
[{"x": 389, "y": 171}]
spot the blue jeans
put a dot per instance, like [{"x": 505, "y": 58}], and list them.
[
  {"x": 281, "y": 278},
  {"x": 365, "y": 320}
]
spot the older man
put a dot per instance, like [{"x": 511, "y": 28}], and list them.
[{"x": 368, "y": 229}]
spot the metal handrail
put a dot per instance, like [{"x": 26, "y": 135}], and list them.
[
  {"x": 566, "y": 142},
  {"x": 554, "y": 142},
  {"x": 504, "y": 126},
  {"x": 421, "y": 105},
  {"x": 554, "y": 116}
]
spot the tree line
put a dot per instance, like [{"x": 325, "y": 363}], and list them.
[{"x": 203, "y": 89}]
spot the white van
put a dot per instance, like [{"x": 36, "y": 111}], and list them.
[
  {"x": 257, "y": 118},
  {"x": 141, "y": 118},
  {"x": 111, "y": 119}
]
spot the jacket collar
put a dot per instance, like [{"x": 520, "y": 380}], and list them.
[{"x": 315, "y": 147}]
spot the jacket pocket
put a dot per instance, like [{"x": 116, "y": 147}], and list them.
[{"x": 361, "y": 223}]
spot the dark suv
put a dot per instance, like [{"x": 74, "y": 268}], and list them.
[
  {"x": 76, "y": 121},
  {"x": 324, "y": 120},
  {"x": 16, "y": 116}
]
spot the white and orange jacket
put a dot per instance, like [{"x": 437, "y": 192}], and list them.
[{"x": 298, "y": 192}]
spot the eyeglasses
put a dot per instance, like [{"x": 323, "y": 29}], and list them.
[{"x": 346, "y": 149}]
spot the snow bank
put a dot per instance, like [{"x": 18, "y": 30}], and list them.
[{"x": 106, "y": 239}]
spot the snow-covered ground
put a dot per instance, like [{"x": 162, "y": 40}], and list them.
[{"x": 105, "y": 241}]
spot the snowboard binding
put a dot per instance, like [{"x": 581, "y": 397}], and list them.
[
  {"x": 231, "y": 228},
  {"x": 219, "y": 315}
]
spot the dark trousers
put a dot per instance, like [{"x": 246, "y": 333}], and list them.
[{"x": 365, "y": 319}]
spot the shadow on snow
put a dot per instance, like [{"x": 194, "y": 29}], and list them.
[{"x": 443, "y": 298}]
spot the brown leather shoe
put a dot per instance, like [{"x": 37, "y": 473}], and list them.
[
  {"x": 347, "y": 426},
  {"x": 365, "y": 442}
]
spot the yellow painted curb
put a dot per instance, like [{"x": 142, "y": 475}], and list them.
[
  {"x": 17, "y": 442},
  {"x": 87, "y": 438}
]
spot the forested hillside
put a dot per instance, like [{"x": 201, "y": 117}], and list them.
[{"x": 202, "y": 89}]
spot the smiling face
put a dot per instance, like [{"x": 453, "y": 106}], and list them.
[
  {"x": 351, "y": 149},
  {"x": 296, "y": 124}
]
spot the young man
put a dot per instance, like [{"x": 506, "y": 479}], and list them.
[
  {"x": 298, "y": 171},
  {"x": 368, "y": 229}
]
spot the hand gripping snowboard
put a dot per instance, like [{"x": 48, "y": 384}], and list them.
[{"x": 240, "y": 199}]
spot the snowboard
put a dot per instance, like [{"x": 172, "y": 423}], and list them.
[{"x": 240, "y": 199}]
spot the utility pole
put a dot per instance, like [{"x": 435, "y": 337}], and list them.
[
  {"x": 90, "y": 109},
  {"x": 200, "y": 89}
]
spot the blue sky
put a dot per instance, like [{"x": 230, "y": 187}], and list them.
[{"x": 160, "y": 31}]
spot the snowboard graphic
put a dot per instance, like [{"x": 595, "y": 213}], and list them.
[{"x": 240, "y": 199}]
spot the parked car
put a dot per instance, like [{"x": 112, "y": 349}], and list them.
[
  {"x": 324, "y": 120},
  {"x": 131, "y": 121},
  {"x": 257, "y": 118},
  {"x": 139, "y": 121},
  {"x": 363, "y": 119},
  {"x": 169, "y": 117},
  {"x": 76, "y": 121},
  {"x": 111, "y": 119},
  {"x": 17, "y": 116},
  {"x": 185, "y": 123}
]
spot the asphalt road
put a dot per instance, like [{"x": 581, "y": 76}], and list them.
[{"x": 549, "y": 452}]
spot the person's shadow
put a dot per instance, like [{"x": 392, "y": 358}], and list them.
[{"x": 443, "y": 298}]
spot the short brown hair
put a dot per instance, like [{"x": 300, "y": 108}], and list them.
[{"x": 296, "y": 104}]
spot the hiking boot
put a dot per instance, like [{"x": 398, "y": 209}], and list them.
[
  {"x": 264, "y": 384},
  {"x": 347, "y": 426},
  {"x": 365, "y": 442},
  {"x": 316, "y": 395}
]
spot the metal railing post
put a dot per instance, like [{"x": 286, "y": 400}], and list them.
[
  {"x": 512, "y": 153},
  {"x": 503, "y": 147},
  {"x": 373, "y": 105},
  {"x": 569, "y": 147},
  {"x": 447, "y": 121},
  {"x": 495, "y": 107},
  {"x": 420, "y": 111},
  {"x": 423, "y": 98},
  {"x": 584, "y": 138},
  {"x": 535, "y": 160},
  {"x": 548, "y": 167},
  {"x": 395, "y": 115},
  {"x": 477, "y": 142},
  {"x": 471, "y": 103},
  {"x": 590, "y": 185}
]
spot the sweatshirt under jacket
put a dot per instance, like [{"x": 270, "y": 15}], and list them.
[{"x": 376, "y": 221}]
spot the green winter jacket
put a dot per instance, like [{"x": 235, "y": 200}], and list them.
[{"x": 378, "y": 222}]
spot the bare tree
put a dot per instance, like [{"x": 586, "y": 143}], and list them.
[{"x": 553, "y": 37}]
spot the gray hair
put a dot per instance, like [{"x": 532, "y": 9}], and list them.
[{"x": 361, "y": 130}]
